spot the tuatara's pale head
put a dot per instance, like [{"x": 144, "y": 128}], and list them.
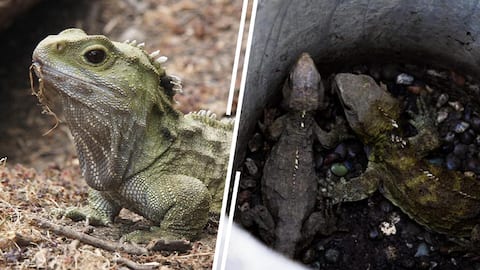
[
  {"x": 303, "y": 90},
  {"x": 369, "y": 108}
]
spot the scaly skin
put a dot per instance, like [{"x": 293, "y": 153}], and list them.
[
  {"x": 289, "y": 183},
  {"x": 444, "y": 201},
  {"x": 135, "y": 150}
]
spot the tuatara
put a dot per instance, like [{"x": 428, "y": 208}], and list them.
[
  {"x": 135, "y": 150},
  {"x": 289, "y": 183},
  {"x": 444, "y": 201}
]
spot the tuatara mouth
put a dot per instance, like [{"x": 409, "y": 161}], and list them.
[{"x": 35, "y": 70}]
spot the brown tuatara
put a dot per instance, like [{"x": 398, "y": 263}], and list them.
[
  {"x": 444, "y": 201},
  {"x": 289, "y": 183}
]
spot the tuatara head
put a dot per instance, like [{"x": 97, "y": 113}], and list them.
[
  {"x": 108, "y": 90},
  {"x": 303, "y": 89},
  {"x": 370, "y": 110},
  {"x": 99, "y": 73}
]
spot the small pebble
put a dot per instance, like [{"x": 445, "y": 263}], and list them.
[
  {"x": 255, "y": 143},
  {"x": 374, "y": 234},
  {"x": 461, "y": 127},
  {"x": 247, "y": 183},
  {"x": 251, "y": 166},
  {"x": 332, "y": 255},
  {"x": 349, "y": 165},
  {"x": 452, "y": 162},
  {"x": 331, "y": 158},
  {"x": 477, "y": 140},
  {"x": 457, "y": 78},
  {"x": 318, "y": 161},
  {"x": 422, "y": 250},
  {"x": 457, "y": 106},
  {"x": 441, "y": 116},
  {"x": 475, "y": 121},
  {"x": 450, "y": 137},
  {"x": 339, "y": 169},
  {"x": 386, "y": 206},
  {"x": 442, "y": 100},
  {"x": 460, "y": 150},
  {"x": 415, "y": 89},
  {"x": 341, "y": 150},
  {"x": 467, "y": 137},
  {"x": 404, "y": 79}
]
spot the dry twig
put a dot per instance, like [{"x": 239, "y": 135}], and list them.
[
  {"x": 88, "y": 239},
  {"x": 136, "y": 266}
]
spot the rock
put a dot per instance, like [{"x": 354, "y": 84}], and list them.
[
  {"x": 341, "y": 150},
  {"x": 255, "y": 143},
  {"x": 332, "y": 255},
  {"x": 331, "y": 158},
  {"x": 457, "y": 106},
  {"x": 442, "y": 100},
  {"x": 339, "y": 169},
  {"x": 461, "y": 127},
  {"x": 404, "y": 79},
  {"x": 475, "y": 122},
  {"x": 441, "y": 116},
  {"x": 422, "y": 250},
  {"x": 251, "y": 166}
]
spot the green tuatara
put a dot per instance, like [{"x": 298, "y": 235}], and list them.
[
  {"x": 444, "y": 201},
  {"x": 135, "y": 150}
]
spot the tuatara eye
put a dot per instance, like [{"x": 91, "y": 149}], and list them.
[{"x": 95, "y": 56}]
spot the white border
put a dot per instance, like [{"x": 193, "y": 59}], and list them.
[{"x": 221, "y": 228}]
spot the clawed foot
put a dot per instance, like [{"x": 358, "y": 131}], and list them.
[
  {"x": 92, "y": 216},
  {"x": 424, "y": 119},
  {"x": 427, "y": 138},
  {"x": 323, "y": 221},
  {"x": 338, "y": 133},
  {"x": 261, "y": 217}
]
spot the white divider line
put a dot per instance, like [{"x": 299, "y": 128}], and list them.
[{"x": 221, "y": 230}]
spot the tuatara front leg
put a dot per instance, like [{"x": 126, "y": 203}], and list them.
[
  {"x": 331, "y": 138},
  {"x": 178, "y": 204},
  {"x": 100, "y": 211},
  {"x": 427, "y": 138},
  {"x": 357, "y": 188}
]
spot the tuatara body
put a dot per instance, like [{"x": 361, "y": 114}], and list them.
[
  {"x": 289, "y": 183},
  {"x": 135, "y": 150},
  {"x": 444, "y": 201}
]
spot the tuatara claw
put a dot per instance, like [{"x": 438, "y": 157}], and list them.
[
  {"x": 85, "y": 213},
  {"x": 424, "y": 118}
]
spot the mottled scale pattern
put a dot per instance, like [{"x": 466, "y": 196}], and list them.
[{"x": 135, "y": 150}]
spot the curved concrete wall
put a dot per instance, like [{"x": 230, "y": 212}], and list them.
[{"x": 439, "y": 32}]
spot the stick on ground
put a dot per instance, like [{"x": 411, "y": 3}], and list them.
[{"x": 88, "y": 239}]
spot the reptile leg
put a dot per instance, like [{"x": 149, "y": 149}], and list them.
[
  {"x": 322, "y": 221},
  {"x": 100, "y": 210},
  {"x": 357, "y": 188},
  {"x": 338, "y": 133},
  {"x": 183, "y": 218},
  {"x": 427, "y": 138},
  {"x": 260, "y": 217}
]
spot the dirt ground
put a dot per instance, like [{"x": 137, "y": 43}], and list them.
[{"x": 40, "y": 173}]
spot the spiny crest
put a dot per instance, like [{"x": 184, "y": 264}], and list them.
[
  {"x": 210, "y": 118},
  {"x": 171, "y": 84},
  {"x": 154, "y": 57}
]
